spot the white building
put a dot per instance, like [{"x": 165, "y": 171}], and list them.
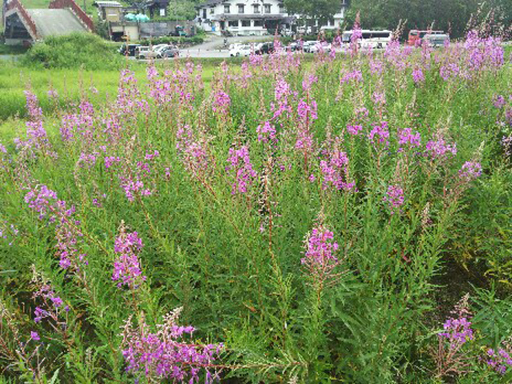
[
  {"x": 254, "y": 17},
  {"x": 242, "y": 17}
]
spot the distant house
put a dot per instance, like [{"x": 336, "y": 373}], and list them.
[
  {"x": 157, "y": 7},
  {"x": 109, "y": 10},
  {"x": 254, "y": 17}
]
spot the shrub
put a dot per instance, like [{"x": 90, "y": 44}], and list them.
[
  {"x": 175, "y": 40},
  {"x": 73, "y": 51}
]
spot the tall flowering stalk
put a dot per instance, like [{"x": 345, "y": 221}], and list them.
[
  {"x": 320, "y": 258},
  {"x": 51, "y": 307},
  {"x": 135, "y": 176},
  {"x": 438, "y": 149},
  {"x": 127, "y": 271},
  {"x": 306, "y": 115},
  {"x": 129, "y": 99},
  {"x": 80, "y": 124},
  {"x": 394, "y": 198},
  {"x": 457, "y": 333},
  {"x": 37, "y": 138},
  {"x": 193, "y": 152},
  {"x": 500, "y": 360},
  {"x": 267, "y": 133},
  {"x": 470, "y": 171},
  {"x": 221, "y": 103},
  {"x": 241, "y": 168},
  {"x": 407, "y": 139},
  {"x": 160, "y": 88},
  {"x": 22, "y": 353},
  {"x": 357, "y": 35},
  {"x": 379, "y": 135},
  {"x": 166, "y": 354},
  {"x": 282, "y": 94},
  {"x": 334, "y": 168},
  {"x": 67, "y": 231}
]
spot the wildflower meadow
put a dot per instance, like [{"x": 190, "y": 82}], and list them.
[{"x": 338, "y": 218}]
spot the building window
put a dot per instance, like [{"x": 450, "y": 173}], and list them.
[
  {"x": 212, "y": 11},
  {"x": 256, "y": 8},
  {"x": 241, "y": 8},
  {"x": 267, "y": 8},
  {"x": 258, "y": 23},
  {"x": 246, "y": 23},
  {"x": 233, "y": 23},
  {"x": 281, "y": 8},
  {"x": 227, "y": 8},
  {"x": 204, "y": 13}
]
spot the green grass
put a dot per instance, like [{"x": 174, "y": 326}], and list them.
[
  {"x": 43, "y": 4},
  {"x": 71, "y": 83}
]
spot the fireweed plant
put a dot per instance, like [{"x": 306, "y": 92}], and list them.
[{"x": 299, "y": 219}]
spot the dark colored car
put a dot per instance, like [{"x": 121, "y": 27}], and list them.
[
  {"x": 129, "y": 49},
  {"x": 265, "y": 48},
  {"x": 170, "y": 52}
]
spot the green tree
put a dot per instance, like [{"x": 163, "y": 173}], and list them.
[
  {"x": 314, "y": 10},
  {"x": 448, "y": 15},
  {"x": 182, "y": 10}
]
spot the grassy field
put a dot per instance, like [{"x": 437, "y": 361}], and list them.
[
  {"x": 289, "y": 219},
  {"x": 87, "y": 5},
  {"x": 69, "y": 83}
]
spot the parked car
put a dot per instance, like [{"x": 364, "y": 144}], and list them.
[
  {"x": 240, "y": 50},
  {"x": 436, "y": 40},
  {"x": 308, "y": 45},
  {"x": 320, "y": 46},
  {"x": 264, "y": 48},
  {"x": 170, "y": 52},
  {"x": 293, "y": 47},
  {"x": 416, "y": 36},
  {"x": 144, "y": 52},
  {"x": 234, "y": 46},
  {"x": 129, "y": 49},
  {"x": 160, "y": 47}
]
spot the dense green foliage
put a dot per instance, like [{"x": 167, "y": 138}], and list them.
[
  {"x": 180, "y": 41},
  {"x": 321, "y": 10},
  {"x": 232, "y": 258},
  {"x": 77, "y": 50},
  {"x": 182, "y": 10},
  {"x": 452, "y": 16},
  {"x": 11, "y": 49}
]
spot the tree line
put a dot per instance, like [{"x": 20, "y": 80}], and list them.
[{"x": 452, "y": 16}]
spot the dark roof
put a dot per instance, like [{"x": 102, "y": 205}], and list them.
[
  {"x": 107, "y": 4},
  {"x": 209, "y": 3},
  {"x": 160, "y": 3},
  {"x": 229, "y": 16}
]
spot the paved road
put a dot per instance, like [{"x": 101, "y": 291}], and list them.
[{"x": 214, "y": 46}]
